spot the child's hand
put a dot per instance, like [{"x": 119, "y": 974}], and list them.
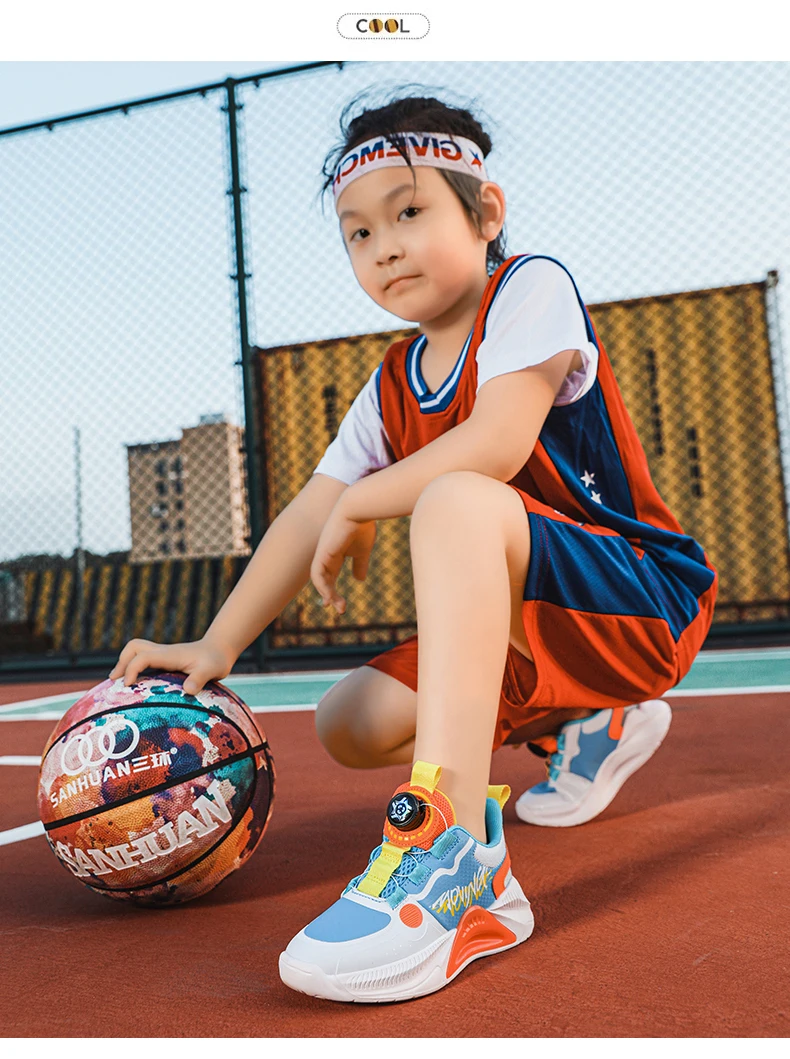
[
  {"x": 201, "y": 661},
  {"x": 341, "y": 536}
]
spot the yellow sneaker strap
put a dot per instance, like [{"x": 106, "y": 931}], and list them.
[
  {"x": 501, "y": 794},
  {"x": 381, "y": 870},
  {"x": 423, "y": 774}
]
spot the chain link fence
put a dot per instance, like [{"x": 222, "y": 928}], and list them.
[{"x": 182, "y": 333}]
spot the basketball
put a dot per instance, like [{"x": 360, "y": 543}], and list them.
[{"x": 151, "y": 795}]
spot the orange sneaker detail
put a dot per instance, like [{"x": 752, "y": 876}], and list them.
[
  {"x": 616, "y": 723},
  {"x": 498, "y": 882},
  {"x": 439, "y": 816},
  {"x": 477, "y": 932},
  {"x": 411, "y": 915},
  {"x": 546, "y": 742}
]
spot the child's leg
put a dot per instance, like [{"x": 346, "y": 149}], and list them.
[
  {"x": 368, "y": 720},
  {"x": 470, "y": 541},
  {"x": 438, "y": 891},
  {"x": 434, "y": 896}
]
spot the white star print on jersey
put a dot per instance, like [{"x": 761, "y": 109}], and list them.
[{"x": 588, "y": 478}]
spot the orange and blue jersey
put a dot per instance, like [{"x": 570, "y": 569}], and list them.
[{"x": 618, "y": 599}]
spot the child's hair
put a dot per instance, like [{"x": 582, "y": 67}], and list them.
[{"x": 419, "y": 114}]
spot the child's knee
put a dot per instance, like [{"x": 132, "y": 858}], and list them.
[
  {"x": 334, "y": 725},
  {"x": 328, "y": 724},
  {"x": 353, "y": 734}
]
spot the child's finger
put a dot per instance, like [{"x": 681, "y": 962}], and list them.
[
  {"x": 323, "y": 586},
  {"x": 326, "y": 589}
]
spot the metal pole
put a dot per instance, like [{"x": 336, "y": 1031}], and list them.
[
  {"x": 251, "y": 412},
  {"x": 80, "y": 552},
  {"x": 781, "y": 392}
]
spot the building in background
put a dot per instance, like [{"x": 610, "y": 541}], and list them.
[{"x": 187, "y": 498}]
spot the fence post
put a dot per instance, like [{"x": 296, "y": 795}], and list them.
[
  {"x": 252, "y": 426},
  {"x": 79, "y": 551}
]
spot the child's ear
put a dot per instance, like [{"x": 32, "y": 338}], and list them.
[{"x": 493, "y": 209}]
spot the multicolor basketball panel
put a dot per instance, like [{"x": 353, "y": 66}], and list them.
[{"x": 152, "y": 795}]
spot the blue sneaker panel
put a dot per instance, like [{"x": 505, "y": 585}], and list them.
[
  {"x": 453, "y": 891},
  {"x": 443, "y": 843},
  {"x": 493, "y": 821},
  {"x": 451, "y": 895},
  {"x": 593, "y": 749},
  {"x": 543, "y": 788},
  {"x": 441, "y": 855},
  {"x": 346, "y": 921}
]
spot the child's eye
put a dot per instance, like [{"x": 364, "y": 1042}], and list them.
[{"x": 354, "y": 234}]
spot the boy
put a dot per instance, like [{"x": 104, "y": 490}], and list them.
[{"x": 556, "y": 595}]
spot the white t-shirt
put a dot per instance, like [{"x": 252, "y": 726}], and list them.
[{"x": 535, "y": 314}]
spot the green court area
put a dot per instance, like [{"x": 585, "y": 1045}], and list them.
[
  {"x": 713, "y": 672},
  {"x": 755, "y": 669}
]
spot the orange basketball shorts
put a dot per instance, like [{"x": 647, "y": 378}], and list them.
[{"x": 607, "y": 624}]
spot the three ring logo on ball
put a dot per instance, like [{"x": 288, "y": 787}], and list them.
[{"x": 107, "y": 742}]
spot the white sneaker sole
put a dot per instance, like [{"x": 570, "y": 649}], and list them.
[
  {"x": 416, "y": 975},
  {"x": 644, "y": 730}
]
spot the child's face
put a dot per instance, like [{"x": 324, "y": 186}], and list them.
[{"x": 394, "y": 231}]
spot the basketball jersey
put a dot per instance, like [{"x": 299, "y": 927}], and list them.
[
  {"x": 588, "y": 462},
  {"x": 534, "y": 314}
]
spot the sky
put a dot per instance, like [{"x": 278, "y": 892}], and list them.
[
  {"x": 118, "y": 312},
  {"x": 33, "y": 91}
]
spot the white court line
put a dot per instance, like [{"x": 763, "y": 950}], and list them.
[
  {"x": 17, "y": 834},
  {"x": 303, "y": 707},
  {"x": 754, "y": 689},
  {"x": 47, "y": 701},
  {"x": 47, "y": 715},
  {"x": 51, "y": 715},
  {"x": 703, "y": 657},
  {"x": 264, "y": 678},
  {"x": 287, "y": 708},
  {"x": 716, "y": 653},
  {"x": 292, "y": 678},
  {"x": 298, "y": 707},
  {"x": 18, "y": 759}
]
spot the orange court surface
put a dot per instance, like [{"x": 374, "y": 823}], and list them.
[{"x": 666, "y": 916}]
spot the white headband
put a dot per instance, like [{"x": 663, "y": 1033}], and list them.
[{"x": 424, "y": 148}]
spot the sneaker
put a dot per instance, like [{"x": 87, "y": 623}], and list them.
[
  {"x": 593, "y": 759},
  {"x": 432, "y": 899}
]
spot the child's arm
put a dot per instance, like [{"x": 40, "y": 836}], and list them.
[
  {"x": 496, "y": 439},
  {"x": 279, "y": 568}
]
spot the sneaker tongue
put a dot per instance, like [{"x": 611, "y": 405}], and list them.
[{"x": 417, "y": 815}]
